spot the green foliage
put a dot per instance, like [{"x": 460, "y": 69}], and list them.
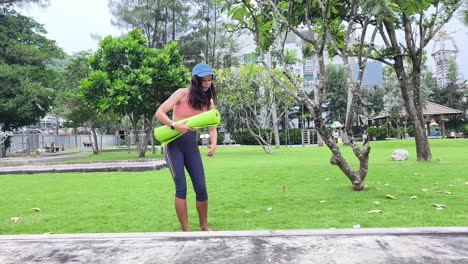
[
  {"x": 198, "y": 27},
  {"x": 393, "y": 100},
  {"x": 465, "y": 13},
  {"x": 295, "y": 136},
  {"x": 308, "y": 50},
  {"x": 338, "y": 33},
  {"x": 290, "y": 57},
  {"x": 429, "y": 82},
  {"x": 465, "y": 130},
  {"x": 379, "y": 133},
  {"x": 451, "y": 94},
  {"x": 375, "y": 96},
  {"x": 161, "y": 20},
  {"x": 130, "y": 78},
  {"x": 452, "y": 71},
  {"x": 244, "y": 14},
  {"x": 68, "y": 103},
  {"x": 387, "y": 130},
  {"x": 421, "y": 15},
  {"x": 27, "y": 80},
  {"x": 248, "y": 95},
  {"x": 336, "y": 87},
  {"x": 244, "y": 137},
  {"x": 415, "y": 7},
  {"x": 21, "y": 3}
]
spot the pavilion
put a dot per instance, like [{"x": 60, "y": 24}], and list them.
[{"x": 430, "y": 111}]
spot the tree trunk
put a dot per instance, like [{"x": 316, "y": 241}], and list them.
[
  {"x": 2, "y": 150},
  {"x": 423, "y": 151},
  {"x": 93, "y": 139},
  {"x": 358, "y": 176},
  {"x": 76, "y": 136},
  {"x": 274, "y": 118},
  {"x": 399, "y": 132},
  {"x": 143, "y": 146},
  {"x": 349, "y": 104},
  {"x": 355, "y": 176},
  {"x": 315, "y": 108},
  {"x": 153, "y": 145},
  {"x": 410, "y": 98}
]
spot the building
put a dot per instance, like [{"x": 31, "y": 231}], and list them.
[{"x": 444, "y": 50}]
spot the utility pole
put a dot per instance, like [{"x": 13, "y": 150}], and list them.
[{"x": 206, "y": 17}]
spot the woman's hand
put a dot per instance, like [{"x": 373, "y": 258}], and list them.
[
  {"x": 182, "y": 127},
  {"x": 212, "y": 151}
]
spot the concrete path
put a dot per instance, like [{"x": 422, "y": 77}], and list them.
[
  {"x": 55, "y": 163},
  {"x": 395, "y": 245},
  {"x": 44, "y": 159},
  {"x": 143, "y": 165}
]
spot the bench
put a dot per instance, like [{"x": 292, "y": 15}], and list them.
[
  {"x": 228, "y": 139},
  {"x": 51, "y": 148},
  {"x": 87, "y": 144}
]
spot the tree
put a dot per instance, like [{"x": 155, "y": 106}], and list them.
[
  {"x": 75, "y": 71},
  {"x": 464, "y": 13},
  {"x": 130, "y": 79},
  {"x": 68, "y": 101},
  {"x": 429, "y": 81},
  {"x": 27, "y": 78},
  {"x": 162, "y": 21},
  {"x": 21, "y": 3},
  {"x": 406, "y": 27},
  {"x": 250, "y": 92},
  {"x": 208, "y": 40},
  {"x": 196, "y": 25},
  {"x": 324, "y": 23},
  {"x": 451, "y": 95},
  {"x": 374, "y": 96},
  {"x": 393, "y": 101},
  {"x": 336, "y": 86}
]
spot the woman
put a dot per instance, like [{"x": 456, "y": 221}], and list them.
[{"x": 183, "y": 152}]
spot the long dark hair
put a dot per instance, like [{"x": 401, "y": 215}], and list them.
[{"x": 198, "y": 98}]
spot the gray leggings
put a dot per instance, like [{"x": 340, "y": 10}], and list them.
[{"x": 183, "y": 153}]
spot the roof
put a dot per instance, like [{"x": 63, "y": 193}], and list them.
[
  {"x": 437, "y": 109},
  {"x": 431, "y": 109}
]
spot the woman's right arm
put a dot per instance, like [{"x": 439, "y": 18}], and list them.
[{"x": 161, "y": 113}]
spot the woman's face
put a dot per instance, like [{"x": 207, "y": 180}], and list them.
[{"x": 206, "y": 82}]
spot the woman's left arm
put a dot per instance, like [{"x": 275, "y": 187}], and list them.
[{"x": 213, "y": 135}]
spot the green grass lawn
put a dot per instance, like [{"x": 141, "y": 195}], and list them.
[{"x": 246, "y": 193}]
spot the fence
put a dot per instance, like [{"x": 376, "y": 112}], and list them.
[{"x": 19, "y": 142}]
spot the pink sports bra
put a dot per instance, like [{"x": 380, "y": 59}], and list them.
[{"x": 184, "y": 109}]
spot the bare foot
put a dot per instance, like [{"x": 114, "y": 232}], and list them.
[{"x": 206, "y": 229}]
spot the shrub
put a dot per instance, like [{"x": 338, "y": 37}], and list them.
[
  {"x": 465, "y": 130},
  {"x": 294, "y": 137},
  {"x": 379, "y": 133},
  {"x": 244, "y": 137}
]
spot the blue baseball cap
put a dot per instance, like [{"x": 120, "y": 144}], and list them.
[{"x": 202, "y": 70}]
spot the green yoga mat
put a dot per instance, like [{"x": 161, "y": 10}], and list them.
[{"x": 209, "y": 118}]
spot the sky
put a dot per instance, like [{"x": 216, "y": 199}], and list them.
[{"x": 71, "y": 23}]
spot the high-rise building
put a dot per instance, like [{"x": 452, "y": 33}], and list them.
[{"x": 445, "y": 49}]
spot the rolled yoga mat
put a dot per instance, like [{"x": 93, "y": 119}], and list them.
[{"x": 165, "y": 134}]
